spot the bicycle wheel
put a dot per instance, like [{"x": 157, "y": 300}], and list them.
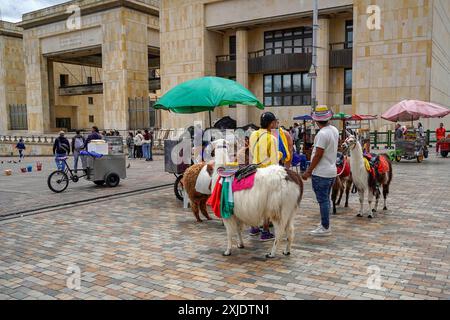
[
  {"x": 178, "y": 188},
  {"x": 58, "y": 181}
]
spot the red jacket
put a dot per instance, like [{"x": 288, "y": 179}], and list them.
[{"x": 440, "y": 133}]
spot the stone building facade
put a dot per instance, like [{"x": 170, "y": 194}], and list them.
[
  {"x": 361, "y": 68},
  {"x": 120, "y": 38}
]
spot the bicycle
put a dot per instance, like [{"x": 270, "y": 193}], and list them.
[{"x": 58, "y": 180}]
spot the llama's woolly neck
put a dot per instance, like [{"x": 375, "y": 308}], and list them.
[{"x": 359, "y": 172}]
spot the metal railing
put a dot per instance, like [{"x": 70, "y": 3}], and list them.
[
  {"x": 272, "y": 51},
  {"x": 386, "y": 138}
]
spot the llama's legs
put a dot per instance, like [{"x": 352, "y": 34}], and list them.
[
  {"x": 361, "y": 203},
  {"x": 279, "y": 233},
  {"x": 290, "y": 237},
  {"x": 341, "y": 192},
  {"x": 239, "y": 234},
  {"x": 377, "y": 198},
  {"x": 385, "y": 193},
  {"x": 370, "y": 198},
  {"x": 204, "y": 210},
  {"x": 195, "y": 210},
  {"x": 333, "y": 199},
  {"x": 229, "y": 226},
  {"x": 348, "y": 187}
]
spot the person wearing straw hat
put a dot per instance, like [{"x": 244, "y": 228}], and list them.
[{"x": 323, "y": 166}]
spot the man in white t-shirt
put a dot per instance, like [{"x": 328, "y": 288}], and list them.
[{"x": 323, "y": 166}]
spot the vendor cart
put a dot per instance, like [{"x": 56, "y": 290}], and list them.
[
  {"x": 411, "y": 147},
  {"x": 97, "y": 167},
  {"x": 443, "y": 146},
  {"x": 173, "y": 163}
]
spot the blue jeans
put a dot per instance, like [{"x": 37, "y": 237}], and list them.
[
  {"x": 60, "y": 164},
  {"x": 322, "y": 189},
  {"x": 147, "y": 150}
]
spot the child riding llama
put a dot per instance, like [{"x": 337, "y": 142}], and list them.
[{"x": 368, "y": 177}]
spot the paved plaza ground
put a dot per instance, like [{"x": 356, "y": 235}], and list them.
[{"x": 146, "y": 246}]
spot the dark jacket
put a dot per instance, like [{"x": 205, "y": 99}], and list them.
[
  {"x": 73, "y": 142},
  {"x": 20, "y": 146},
  {"x": 61, "y": 146},
  {"x": 93, "y": 136}
]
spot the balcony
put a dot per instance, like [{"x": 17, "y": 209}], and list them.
[
  {"x": 267, "y": 61},
  {"x": 226, "y": 65},
  {"x": 294, "y": 59},
  {"x": 341, "y": 55},
  {"x": 81, "y": 89},
  {"x": 154, "y": 84}
]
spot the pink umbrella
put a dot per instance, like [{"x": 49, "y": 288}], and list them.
[{"x": 410, "y": 110}]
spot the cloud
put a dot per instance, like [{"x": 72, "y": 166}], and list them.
[{"x": 12, "y": 10}]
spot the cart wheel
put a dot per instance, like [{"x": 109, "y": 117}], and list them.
[
  {"x": 178, "y": 188},
  {"x": 444, "y": 154},
  {"x": 58, "y": 181},
  {"x": 398, "y": 158},
  {"x": 112, "y": 179},
  {"x": 419, "y": 158},
  {"x": 425, "y": 153},
  {"x": 99, "y": 182}
]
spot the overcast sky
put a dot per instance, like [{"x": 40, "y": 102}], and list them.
[{"x": 12, "y": 10}]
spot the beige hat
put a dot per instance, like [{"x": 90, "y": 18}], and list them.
[{"x": 61, "y": 133}]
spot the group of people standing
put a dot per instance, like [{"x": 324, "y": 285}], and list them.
[
  {"x": 322, "y": 171},
  {"x": 62, "y": 147},
  {"x": 140, "y": 145}
]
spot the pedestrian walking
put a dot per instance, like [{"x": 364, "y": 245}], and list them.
[
  {"x": 78, "y": 144},
  {"x": 20, "y": 146},
  {"x": 398, "y": 132},
  {"x": 440, "y": 134},
  {"x": 323, "y": 166},
  {"x": 130, "y": 145},
  {"x": 61, "y": 148},
  {"x": 138, "y": 141}
]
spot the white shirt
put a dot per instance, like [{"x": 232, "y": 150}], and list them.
[{"x": 327, "y": 138}]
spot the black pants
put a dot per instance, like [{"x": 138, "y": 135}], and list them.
[{"x": 138, "y": 152}]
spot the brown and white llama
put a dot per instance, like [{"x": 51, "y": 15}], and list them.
[
  {"x": 363, "y": 180},
  {"x": 341, "y": 184},
  {"x": 275, "y": 196}
]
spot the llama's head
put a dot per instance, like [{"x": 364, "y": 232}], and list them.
[
  {"x": 220, "y": 150},
  {"x": 349, "y": 143}
]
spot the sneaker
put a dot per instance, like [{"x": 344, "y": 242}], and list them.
[
  {"x": 254, "y": 231},
  {"x": 321, "y": 232},
  {"x": 266, "y": 236}
]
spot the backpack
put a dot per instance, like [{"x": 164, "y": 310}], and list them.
[{"x": 79, "y": 143}]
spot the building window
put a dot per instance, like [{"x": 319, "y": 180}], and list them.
[
  {"x": 289, "y": 89},
  {"x": 348, "y": 34},
  {"x": 89, "y": 80},
  {"x": 63, "y": 80},
  {"x": 232, "y": 47},
  {"x": 348, "y": 86},
  {"x": 91, "y": 118},
  {"x": 90, "y": 100},
  {"x": 298, "y": 40},
  {"x": 63, "y": 123}
]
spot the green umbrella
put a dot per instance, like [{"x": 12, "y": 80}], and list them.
[
  {"x": 205, "y": 94},
  {"x": 341, "y": 116}
]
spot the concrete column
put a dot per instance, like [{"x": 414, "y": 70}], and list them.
[
  {"x": 323, "y": 62},
  {"x": 51, "y": 94},
  {"x": 3, "y": 105},
  {"x": 37, "y": 87},
  {"x": 125, "y": 64},
  {"x": 242, "y": 72}
]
